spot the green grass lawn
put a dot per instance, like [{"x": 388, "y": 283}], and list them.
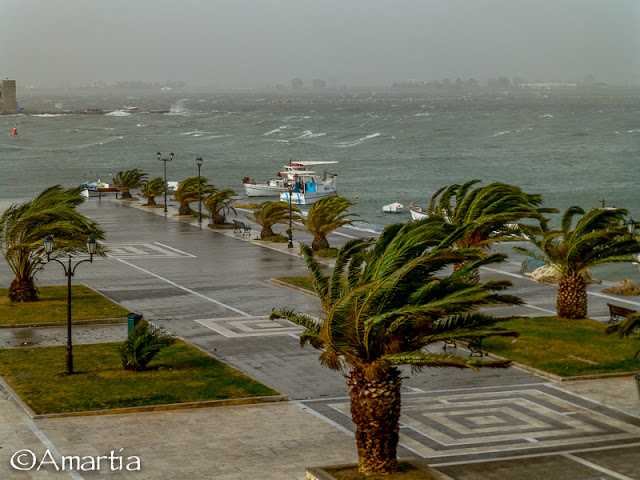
[
  {"x": 566, "y": 347},
  {"x": 86, "y": 304},
  {"x": 562, "y": 347},
  {"x": 302, "y": 282},
  {"x": 180, "y": 373}
]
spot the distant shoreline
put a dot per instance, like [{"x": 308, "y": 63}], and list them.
[{"x": 80, "y": 111}]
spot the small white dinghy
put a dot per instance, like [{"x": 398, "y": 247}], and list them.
[{"x": 393, "y": 208}]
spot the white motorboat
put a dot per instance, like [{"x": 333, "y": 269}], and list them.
[
  {"x": 97, "y": 189},
  {"x": 277, "y": 186},
  {"x": 393, "y": 208},
  {"x": 307, "y": 187}
]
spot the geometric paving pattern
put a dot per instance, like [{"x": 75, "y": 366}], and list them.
[
  {"x": 144, "y": 250},
  {"x": 250, "y": 326},
  {"x": 481, "y": 423}
]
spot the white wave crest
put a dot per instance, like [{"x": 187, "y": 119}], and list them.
[
  {"x": 118, "y": 113},
  {"x": 196, "y": 133},
  {"x": 277, "y": 130},
  {"x": 179, "y": 108},
  {"x": 310, "y": 134},
  {"x": 546, "y": 115},
  {"x": 357, "y": 142},
  {"x": 497, "y": 134},
  {"x": 46, "y": 115},
  {"x": 424, "y": 114}
]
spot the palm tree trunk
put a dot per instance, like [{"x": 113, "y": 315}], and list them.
[
  {"x": 375, "y": 410},
  {"x": 23, "y": 290},
  {"x": 266, "y": 232},
  {"x": 572, "y": 297},
  {"x": 319, "y": 243},
  {"x": 184, "y": 210}
]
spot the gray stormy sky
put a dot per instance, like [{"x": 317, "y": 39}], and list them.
[{"x": 256, "y": 43}]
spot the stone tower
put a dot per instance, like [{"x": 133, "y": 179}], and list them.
[{"x": 8, "y": 100}]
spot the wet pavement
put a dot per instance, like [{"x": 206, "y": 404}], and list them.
[{"x": 214, "y": 289}]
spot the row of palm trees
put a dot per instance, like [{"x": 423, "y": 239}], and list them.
[
  {"x": 324, "y": 217},
  {"x": 217, "y": 202}
]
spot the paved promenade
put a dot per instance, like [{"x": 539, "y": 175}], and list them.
[{"x": 213, "y": 288}]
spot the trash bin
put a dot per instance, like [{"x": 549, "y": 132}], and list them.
[{"x": 132, "y": 320}]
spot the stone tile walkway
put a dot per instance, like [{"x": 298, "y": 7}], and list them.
[{"x": 213, "y": 289}]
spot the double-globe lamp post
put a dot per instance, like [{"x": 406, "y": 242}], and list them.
[
  {"x": 199, "y": 163},
  {"x": 92, "y": 247},
  {"x": 165, "y": 160}
]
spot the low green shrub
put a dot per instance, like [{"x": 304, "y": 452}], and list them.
[{"x": 143, "y": 343}]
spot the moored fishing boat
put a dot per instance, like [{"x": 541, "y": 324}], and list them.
[
  {"x": 306, "y": 187},
  {"x": 277, "y": 186},
  {"x": 97, "y": 188},
  {"x": 417, "y": 213}
]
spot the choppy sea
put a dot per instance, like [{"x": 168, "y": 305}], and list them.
[{"x": 575, "y": 147}]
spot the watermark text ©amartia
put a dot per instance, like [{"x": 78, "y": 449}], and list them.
[{"x": 28, "y": 460}]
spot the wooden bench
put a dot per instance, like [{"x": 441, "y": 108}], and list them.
[
  {"x": 240, "y": 227},
  {"x": 617, "y": 313},
  {"x": 473, "y": 344}
]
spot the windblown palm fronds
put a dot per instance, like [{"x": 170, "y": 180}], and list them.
[
  {"x": 325, "y": 216},
  {"x": 187, "y": 193},
  {"x": 24, "y": 226},
  {"x": 492, "y": 211},
  {"x": 126, "y": 181},
  {"x": 626, "y": 327},
  {"x": 272, "y": 213},
  {"x": 152, "y": 189},
  {"x": 219, "y": 204}
]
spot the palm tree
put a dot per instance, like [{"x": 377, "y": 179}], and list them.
[
  {"x": 492, "y": 210},
  {"x": 23, "y": 228},
  {"x": 271, "y": 213},
  {"x": 187, "y": 192},
  {"x": 219, "y": 204},
  {"x": 325, "y": 216},
  {"x": 597, "y": 238},
  {"x": 152, "y": 189},
  {"x": 129, "y": 180},
  {"x": 381, "y": 307}
]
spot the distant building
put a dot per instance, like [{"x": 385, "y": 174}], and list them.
[
  {"x": 549, "y": 86},
  {"x": 8, "y": 99}
]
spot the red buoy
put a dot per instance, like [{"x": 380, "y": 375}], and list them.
[{"x": 15, "y": 130}]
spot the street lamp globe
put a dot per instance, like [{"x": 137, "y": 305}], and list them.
[
  {"x": 48, "y": 244},
  {"x": 92, "y": 245}
]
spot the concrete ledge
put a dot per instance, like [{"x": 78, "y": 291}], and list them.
[{"x": 320, "y": 473}]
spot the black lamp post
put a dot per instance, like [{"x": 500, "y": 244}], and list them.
[
  {"x": 92, "y": 246},
  {"x": 165, "y": 160},
  {"x": 290, "y": 187},
  {"x": 199, "y": 163}
]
